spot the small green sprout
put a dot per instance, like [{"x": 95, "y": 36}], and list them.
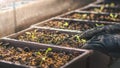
[
  {"x": 28, "y": 33},
  {"x": 46, "y": 52},
  {"x": 38, "y": 53},
  {"x": 66, "y": 24},
  {"x": 112, "y": 5},
  {"x": 49, "y": 49},
  {"x": 43, "y": 58},
  {"x": 77, "y": 37},
  {"x": 99, "y": 9},
  {"x": 84, "y": 16},
  {"x": 99, "y": 25},
  {"x": 32, "y": 35},
  {"x": 83, "y": 41},
  {"x": 113, "y": 16}
]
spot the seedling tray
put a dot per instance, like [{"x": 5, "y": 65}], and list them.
[
  {"x": 32, "y": 51},
  {"x": 69, "y": 24},
  {"x": 54, "y": 37},
  {"x": 100, "y": 8},
  {"x": 94, "y": 16},
  {"x": 108, "y": 4}
]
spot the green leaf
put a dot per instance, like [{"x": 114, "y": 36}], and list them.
[
  {"x": 38, "y": 53},
  {"x": 49, "y": 49},
  {"x": 111, "y": 15},
  {"x": 43, "y": 58},
  {"x": 33, "y": 37},
  {"x": 112, "y": 5},
  {"x": 27, "y": 32},
  {"x": 99, "y": 25},
  {"x": 84, "y": 15},
  {"x": 96, "y": 24},
  {"x": 77, "y": 37},
  {"x": 65, "y": 24},
  {"x": 83, "y": 40},
  {"x": 107, "y": 5},
  {"x": 101, "y": 8},
  {"x": 35, "y": 30}
]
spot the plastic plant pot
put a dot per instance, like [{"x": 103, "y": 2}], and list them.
[
  {"x": 93, "y": 16},
  {"x": 99, "y": 9},
  {"x": 69, "y": 24},
  {"x": 29, "y": 55},
  {"x": 54, "y": 37}
]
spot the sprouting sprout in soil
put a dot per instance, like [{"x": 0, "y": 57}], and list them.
[
  {"x": 38, "y": 53},
  {"x": 84, "y": 16},
  {"x": 46, "y": 52},
  {"x": 65, "y": 24},
  {"x": 83, "y": 41},
  {"x": 97, "y": 25},
  {"x": 99, "y": 9},
  {"x": 113, "y": 16},
  {"x": 31, "y": 35},
  {"x": 79, "y": 39},
  {"x": 110, "y": 5}
]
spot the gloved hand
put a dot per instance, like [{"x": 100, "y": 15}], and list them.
[
  {"x": 109, "y": 29},
  {"x": 104, "y": 39}
]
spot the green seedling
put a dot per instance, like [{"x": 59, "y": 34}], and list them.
[
  {"x": 38, "y": 53},
  {"x": 113, "y": 16},
  {"x": 77, "y": 37},
  {"x": 83, "y": 41},
  {"x": 110, "y": 5},
  {"x": 84, "y": 16},
  {"x": 99, "y": 9},
  {"x": 46, "y": 52},
  {"x": 65, "y": 24},
  {"x": 32, "y": 35},
  {"x": 97, "y": 25}
]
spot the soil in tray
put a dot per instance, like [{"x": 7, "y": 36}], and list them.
[
  {"x": 43, "y": 58},
  {"x": 70, "y": 25},
  {"x": 104, "y": 9},
  {"x": 92, "y": 16},
  {"x": 53, "y": 37},
  {"x": 109, "y": 4}
]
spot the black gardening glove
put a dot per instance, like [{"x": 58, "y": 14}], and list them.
[
  {"x": 109, "y": 29},
  {"x": 104, "y": 39}
]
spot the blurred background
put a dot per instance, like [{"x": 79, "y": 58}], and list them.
[{"x": 16, "y": 15}]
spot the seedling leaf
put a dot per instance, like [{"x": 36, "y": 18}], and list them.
[
  {"x": 27, "y": 33},
  {"x": 83, "y": 40},
  {"x": 65, "y": 24},
  {"x": 112, "y": 4}
]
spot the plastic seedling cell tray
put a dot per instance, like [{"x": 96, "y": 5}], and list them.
[
  {"x": 93, "y": 16},
  {"x": 99, "y": 8},
  {"x": 54, "y": 37},
  {"x": 69, "y": 24},
  {"x": 16, "y": 54}
]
